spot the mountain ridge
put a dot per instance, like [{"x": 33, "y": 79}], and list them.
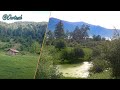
[
  {"x": 94, "y": 29},
  {"x": 23, "y": 24}
]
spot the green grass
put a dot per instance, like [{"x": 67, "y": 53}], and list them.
[
  {"x": 88, "y": 53},
  {"x": 18, "y": 66}
]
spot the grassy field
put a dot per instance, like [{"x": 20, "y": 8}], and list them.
[{"x": 17, "y": 67}]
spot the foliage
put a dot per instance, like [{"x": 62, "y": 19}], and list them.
[
  {"x": 109, "y": 51},
  {"x": 98, "y": 38},
  {"x": 25, "y": 33},
  {"x": 50, "y": 38},
  {"x": 35, "y": 47},
  {"x": 113, "y": 56},
  {"x": 102, "y": 75},
  {"x": 60, "y": 44},
  {"x": 73, "y": 55},
  {"x": 78, "y": 52},
  {"x": 99, "y": 65},
  {"x": 80, "y": 33},
  {"x": 46, "y": 69},
  {"x": 59, "y": 31},
  {"x": 96, "y": 51},
  {"x": 88, "y": 54}
]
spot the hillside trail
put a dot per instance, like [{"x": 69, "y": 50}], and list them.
[{"x": 78, "y": 71}]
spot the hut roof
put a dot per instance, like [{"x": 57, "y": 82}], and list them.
[{"x": 14, "y": 50}]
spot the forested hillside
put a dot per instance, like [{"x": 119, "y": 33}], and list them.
[{"x": 26, "y": 36}]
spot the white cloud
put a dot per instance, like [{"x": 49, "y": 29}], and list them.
[
  {"x": 36, "y": 16},
  {"x": 107, "y": 19}
]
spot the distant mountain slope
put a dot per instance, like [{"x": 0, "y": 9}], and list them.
[
  {"x": 26, "y": 24},
  {"x": 94, "y": 29},
  {"x": 22, "y": 30}
]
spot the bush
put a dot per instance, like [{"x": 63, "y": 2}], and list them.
[
  {"x": 73, "y": 44},
  {"x": 65, "y": 55},
  {"x": 110, "y": 51},
  {"x": 46, "y": 68},
  {"x": 60, "y": 44},
  {"x": 55, "y": 74},
  {"x": 73, "y": 55},
  {"x": 78, "y": 52},
  {"x": 23, "y": 53},
  {"x": 99, "y": 65},
  {"x": 96, "y": 51},
  {"x": 113, "y": 56}
]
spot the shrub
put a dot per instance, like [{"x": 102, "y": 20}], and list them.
[
  {"x": 99, "y": 65},
  {"x": 65, "y": 55},
  {"x": 78, "y": 52},
  {"x": 113, "y": 56},
  {"x": 73, "y": 55},
  {"x": 23, "y": 53},
  {"x": 96, "y": 51},
  {"x": 46, "y": 68},
  {"x": 55, "y": 74},
  {"x": 60, "y": 44}
]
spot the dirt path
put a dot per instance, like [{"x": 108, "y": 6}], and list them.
[{"x": 78, "y": 71}]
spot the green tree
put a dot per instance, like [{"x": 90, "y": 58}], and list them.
[
  {"x": 60, "y": 44},
  {"x": 113, "y": 56},
  {"x": 76, "y": 35},
  {"x": 59, "y": 30},
  {"x": 35, "y": 47},
  {"x": 97, "y": 38},
  {"x": 84, "y": 30},
  {"x": 72, "y": 56},
  {"x": 23, "y": 33},
  {"x": 81, "y": 33}
]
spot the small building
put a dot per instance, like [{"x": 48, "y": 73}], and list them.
[{"x": 12, "y": 51}]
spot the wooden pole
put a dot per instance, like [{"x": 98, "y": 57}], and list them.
[{"x": 41, "y": 49}]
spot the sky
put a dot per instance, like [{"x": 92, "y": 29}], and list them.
[
  {"x": 107, "y": 19},
  {"x": 35, "y": 16}
]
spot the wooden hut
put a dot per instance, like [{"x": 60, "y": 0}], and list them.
[{"x": 13, "y": 51}]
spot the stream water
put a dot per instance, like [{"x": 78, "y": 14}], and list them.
[{"x": 75, "y": 70}]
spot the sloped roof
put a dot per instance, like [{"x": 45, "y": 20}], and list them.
[{"x": 13, "y": 50}]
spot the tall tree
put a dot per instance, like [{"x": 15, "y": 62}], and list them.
[
  {"x": 59, "y": 30},
  {"x": 116, "y": 34},
  {"x": 97, "y": 38},
  {"x": 76, "y": 35},
  {"x": 80, "y": 33},
  {"x": 84, "y": 28}
]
